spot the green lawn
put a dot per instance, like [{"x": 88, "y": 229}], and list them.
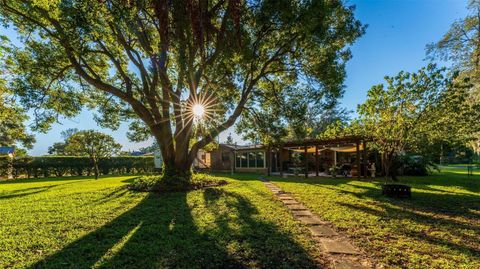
[
  {"x": 438, "y": 228},
  {"x": 459, "y": 169},
  {"x": 84, "y": 223}
]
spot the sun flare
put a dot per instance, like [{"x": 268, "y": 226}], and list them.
[{"x": 198, "y": 110}]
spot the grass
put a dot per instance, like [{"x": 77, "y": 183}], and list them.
[
  {"x": 87, "y": 223},
  {"x": 459, "y": 169},
  {"x": 439, "y": 227}
]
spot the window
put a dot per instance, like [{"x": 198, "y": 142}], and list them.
[
  {"x": 244, "y": 160},
  {"x": 252, "y": 159},
  {"x": 260, "y": 159},
  {"x": 238, "y": 162},
  {"x": 225, "y": 157}
]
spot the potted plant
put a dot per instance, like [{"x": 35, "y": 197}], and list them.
[
  {"x": 334, "y": 170},
  {"x": 296, "y": 162}
]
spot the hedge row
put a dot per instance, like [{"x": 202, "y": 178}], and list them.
[{"x": 59, "y": 166}]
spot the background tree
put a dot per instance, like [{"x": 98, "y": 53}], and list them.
[
  {"x": 93, "y": 144},
  {"x": 12, "y": 117},
  {"x": 66, "y": 134},
  {"x": 413, "y": 110},
  {"x": 461, "y": 43},
  {"x": 461, "y": 46},
  {"x": 229, "y": 139},
  {"x": 58, "y": 148},
  {"x": 149, "y": 149},
  {"x": 153, "y": 61},
  {"x": 290, "y": 115}
]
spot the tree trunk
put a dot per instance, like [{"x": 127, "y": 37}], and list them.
[
  {"x": 95, "y": 167},
  {"x": 389, "y": 166},
  {"x": 176, "y": 161}
]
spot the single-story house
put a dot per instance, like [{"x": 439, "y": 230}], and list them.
[
  {"x": 233, "y": 158},
  {"x": 9, "y": 151},
  {"x": 308, "y": 157}
]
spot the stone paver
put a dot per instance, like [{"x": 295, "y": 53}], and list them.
[
  {"x": 322, "y": 230},
  {"x": 341, "y": 253},
  {"x": 290, "y": 202},
  {"x": 285, "y": 198},
  {"x": 342, "y": 247},
  {"x": 296, "y": 207},
  {"x": 302, "y": 213},
  {"x": 310, "y": 220}
]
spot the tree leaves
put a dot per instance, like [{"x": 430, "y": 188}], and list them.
[{"x": 148, "y": 60}]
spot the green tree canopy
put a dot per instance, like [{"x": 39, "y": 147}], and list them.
[
  {"x": 461, "y": 46},
  {"x": 413, "y": 110},
  {"x": 12, "y": 117},
  {"x": 151, "y": 61},
  {"x": 58, "y": 148},
  {"x": 93, "y": 144}
]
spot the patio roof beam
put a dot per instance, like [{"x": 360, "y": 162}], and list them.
[
  {"x": 306, "y": 161},
  {"x": 319, "y": 142}
]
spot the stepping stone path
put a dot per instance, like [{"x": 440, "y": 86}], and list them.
[{"x": 336, "y": 247}]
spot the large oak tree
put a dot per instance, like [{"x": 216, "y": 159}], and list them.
[
  {"x": 150, "y": 61},
  {"x": 12, "y": 116}
]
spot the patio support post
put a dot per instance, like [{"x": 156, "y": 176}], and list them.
[
  {"x": 365, "y": 159},
  {"x": 316, "y": 160},
  {"x": 359, "y": 170},
  {"x": 306, "y": 161},
  {"x": 280, "y": 156},
  {"x": 232, "y": 162},
  {"x": 269, "y": 160}
]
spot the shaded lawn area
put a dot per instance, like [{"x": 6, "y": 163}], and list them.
[
  {"x": 85, "y": 223},
  {"x": 439, "y": 227}
]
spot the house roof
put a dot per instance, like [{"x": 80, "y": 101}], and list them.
[
  {"x": 308, "y": 142},
  {"x": 240, "y": 147},
  {"x": 7, "y": 150},
  {"x": 323, "y": 141}
]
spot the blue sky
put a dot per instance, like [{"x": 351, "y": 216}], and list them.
[{"x": 397, "y": 34}]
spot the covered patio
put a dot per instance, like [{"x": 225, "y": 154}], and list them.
[{"x": 315, "y": 157}]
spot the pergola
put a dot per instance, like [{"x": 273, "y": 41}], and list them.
[{"x": 357, "y": 144}]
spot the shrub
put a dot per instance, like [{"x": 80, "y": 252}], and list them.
[
  {"x": 73, "y": 166},
  {"x": 164, "y": 183},
  {"x": 415, "y": 165}
]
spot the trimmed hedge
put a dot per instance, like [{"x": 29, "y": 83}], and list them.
[{"x": 59, "y": 166}]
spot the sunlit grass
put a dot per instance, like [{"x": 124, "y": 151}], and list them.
[
  {"x": 439, "y": 227},
  {"x": 85, "y": 223}
]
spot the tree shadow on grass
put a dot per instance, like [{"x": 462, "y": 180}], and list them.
[
  {"x": 161, "y": 232},
  {"x": 47, "y": 179},
  {"x": 425, "y": 197},
  {"x": 453, "y": 215},
  {"x": 9, "y": 194},
  {"x": 453, "y": 228},
  {"x": 262, "y": 242}
]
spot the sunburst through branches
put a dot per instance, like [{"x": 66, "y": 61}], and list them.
[{"x": 201, "y": 108}]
